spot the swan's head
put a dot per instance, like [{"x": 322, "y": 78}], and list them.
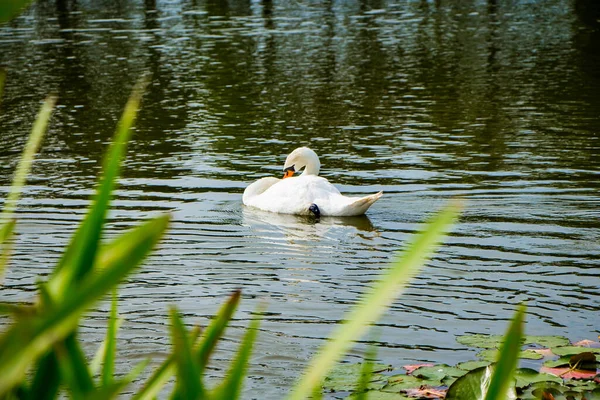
[{"x": 302, "y": 157}]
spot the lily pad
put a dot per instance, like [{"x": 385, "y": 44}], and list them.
[
  {"x": 528, "y": 376},
  {"x": 379, "y": 395},
  {"x": 568, "y": 373},
  {"x": 397, "y": 383},
  {"x": 561, "y": 362},
  {"x": 471, "y": 365},
  {"x": 345, "y": 377},
  {"x": 426, "y": 392},
  {"x": 437, "y": 373},
  {"x": 572, "y": 350},
  {"x": 547, "y": 341},
  {"x": 492, "y": 355},
  {"x": 472, "y": 385},
  {"x": 482, "y": 341}
]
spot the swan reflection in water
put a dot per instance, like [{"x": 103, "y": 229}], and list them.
[{"x": 303, "y": 228}]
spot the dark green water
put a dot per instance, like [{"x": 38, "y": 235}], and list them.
[{"x": 494, "y": 101}]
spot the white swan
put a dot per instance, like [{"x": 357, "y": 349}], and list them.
[{"x": 305, "y": 194}]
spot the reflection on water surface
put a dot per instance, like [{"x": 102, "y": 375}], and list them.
[{"x": 493, "y": 101}]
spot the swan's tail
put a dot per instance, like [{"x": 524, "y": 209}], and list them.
[{"x": 360, "y": 206}]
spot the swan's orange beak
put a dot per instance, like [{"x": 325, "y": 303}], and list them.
[{"x": 288, "y": 172}]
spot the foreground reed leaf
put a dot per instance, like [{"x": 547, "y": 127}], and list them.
[
  {"x": 11, "y": 8},
  {"x": 377, "y": 299},
  {"x": 108, "y": 366},
  {"x": 98, "y": 359},
  {"x": 189, "y": 385},
  {"x": 81, "y": 253},
  {"x": 216, "y": 329},
  {"x": 502, "y": 379},
  {"x": 365, "y": 374},
  {"x": 202, "y": 350},
  {"x": 30, "y": 337},
  {"x": 2, "y": 79},
  {"x": 73, "y": 368},
  {"x": 231, "y": 387},
  {"x": 7, "y": 222},
  {"x": 46, "y": 380}
]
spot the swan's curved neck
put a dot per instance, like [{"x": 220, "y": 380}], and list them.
[{"x": 313, "y": 165}]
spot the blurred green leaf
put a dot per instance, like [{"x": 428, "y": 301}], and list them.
[
  {"x": 203, "y": 350},
  {"x": 231, "y": 387},
  {"x": 366, "y": 373},
  {"x": 2, "y": 79},
  {"x": 375, "y": 302},
  {"x": 216, "y": 329},
  {"x": 73, "y": 370},
  {"x": 507, "y": 362},
  {"x": 189, "y": 385},
  {"x": 6, "y": 232},
  {"x": 81, "y": 253},
  {"x": 162, "y": 374},
  {"x": 46, "y": 380},
  {"x": 11, "y": 8},
  {"x": 473, "y": 385},
  {"x": 7, "y": 221},
  {"x": 110, "y": 344},
  {"x": 30, "y": 337},
  {"x": 98, "y": 359}
]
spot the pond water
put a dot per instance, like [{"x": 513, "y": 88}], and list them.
[{"x": 497, "y": 102}]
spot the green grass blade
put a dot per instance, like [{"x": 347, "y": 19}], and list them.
[
  {"x": 366, "y": 373},
  {"x": 24, "y": 166},
  {"x": 216, "y": 329},
  {"x": 113, "y": 389},
  {"x": 376, "y": 301},
  {"x": 162, "y": 374},
  {"x": 11, "y": 8},
  {"x": 7, "y": 222},
  {"x": 46, "y": 380},
  {"x": 189, "y": 385},
  {"x": 158, "y": 380},
  {"x": 68, "y": 372},
  {"x": 111, "y": 346},
  {"x": 2, "y": 79},
  {"x": 6, "y": 232},
  {"x": 508, "y": 357},
  {"x": 98, "y": 359},
  {"x": 27, "y": 339},
  {"x": 231, "y": 387},
  {"x": 82, "y": 251}
]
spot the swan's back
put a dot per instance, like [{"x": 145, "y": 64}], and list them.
[{"x": 295, "y": 196}]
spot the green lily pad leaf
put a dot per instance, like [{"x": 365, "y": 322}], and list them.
[
  {"x": 528, "y": 376},
  {"x": 471, "y": 365},
  {"x": 482, "y": 341},
  {"x": 581, "y": 385},
  {"x": 397, "y": 383},
  {"x": 345, "y": 377},
  {"x": 472, "y": 385},
  {"x": 547, "y": 341},
  {"x": 434, "y": 375},
  {"x": 561, "y": 362},
  {"x": 379, "y": 395},
  {"x": 492, "y": 354},
  {"x": 572, "y": 350}
]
